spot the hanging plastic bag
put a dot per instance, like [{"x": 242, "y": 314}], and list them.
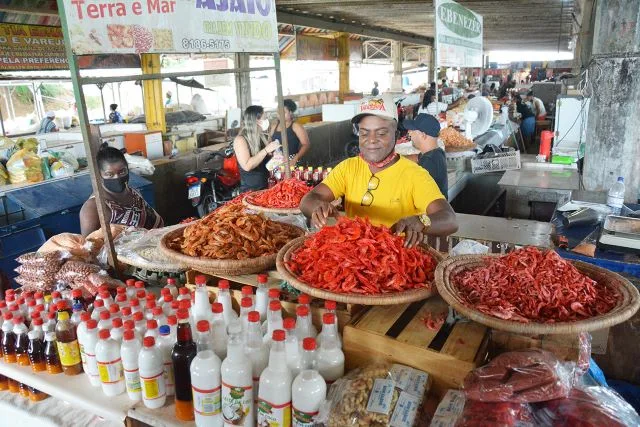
[{"x": 25, "y": 166}]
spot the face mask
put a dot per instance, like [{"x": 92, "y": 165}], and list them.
[
  {"x": 116, "y": 185},
  {"x": 264, "y": 125}
]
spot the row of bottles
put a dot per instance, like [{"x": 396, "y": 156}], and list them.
[{"x": 311, "y": 176}]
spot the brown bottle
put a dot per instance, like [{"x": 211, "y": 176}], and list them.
[
  {"x": 51, "y": 358},
  {"x": 36, "y": 352},
  {"x": 22, "y": 341},
  {"x": 8, "y": 339},
  {"x": 67, "y": 343},
  {"x": 24, "y": 390},
  {"x": 36, "y": 395},
  {"x": 183, "y": 353},
  {"x": 4, "y": 383}
]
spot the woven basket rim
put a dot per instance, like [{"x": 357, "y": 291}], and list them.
[
  {"x": 383, "y": 299},
  {"x": 627, "y": 306}
]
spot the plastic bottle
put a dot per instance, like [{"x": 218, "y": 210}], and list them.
[
  {"x": 167, "y": 300},
  {"x": 51, "y": 357},
  {"x": 309, "y": 389},
  {"x": 256, "y": 350},
  {"x": 615, "y": 196},
  {"x": 330, "y": 306},
  {"x": 237, "y": 384},
  {"x": 105, "y": 320},
  {"x": 152, "y": 329},
  {"x": 218, "y": 331},
  {"x": 141, "y": 324},
  {"x": 131, "y": 289},
  {"x": 89, "y": 343},
  {"x": 77, "y": 297},
  {"x": 224, "y": 298},
  {"x": 36, "y": 326},
  {"x": 274, "y": 320},
  {"x": 67, "y": 344},
  {"x": 22, "y": 341},
  {"x": 141, "y": 294},
  {"x": 329, "y": 330},
  {"x": 109, "y": 364},
  {"x": 139, "y": 286},
  {"x": 126, "y": 314},
  {"x": 172, "y": 321},
  {"x": 246, "y": 306},
  {"x": 134, "y": 303},
  {"x": 50, "y": 326},
  {"x": 121, "y": 300},
  {"x": 159, "y": 317},
  {"x": 77, "y": 313},
  {"x": 154, "y": 393},
  {"x": 274, "y": 295},
  {"x": 202, "y": 306},
  {"x": 98, "y": 307},
  {"x": 149, "y": 306},
  {"x": 165, "y": 344},
  {"x": 247, "y": 292},
  {"x": 205, "y": 380},
  {"x": 117, "y": 330},
  {"x": 304, "y": 327},
  {"x": 330, "y": 359},
  {"x": 8, "y": 339},
  {"x": 183, "y": 294},
  {"x": 171, "y": 285},
  {"x": 129, "y": 352},
  {"x": 292, "y": 347},
  {"x": 31, "y": 306},
  {"x": 114, "y": 311},
  {"x": 274, "y": 395},
  {"x": 183, "y": 353},
  {"x": 304, "y": 300},
  {"x": 106, "y": 298},
  {"x": 262, "y": 296},
  {"x": 36, "y": 352}
]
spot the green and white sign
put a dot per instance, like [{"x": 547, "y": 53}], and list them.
[{"x": 458, "y": 35}]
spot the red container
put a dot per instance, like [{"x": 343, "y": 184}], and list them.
[{"x": 545, "y": 143}]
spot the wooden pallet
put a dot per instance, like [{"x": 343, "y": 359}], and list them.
[{"x": 398, "y": 333}]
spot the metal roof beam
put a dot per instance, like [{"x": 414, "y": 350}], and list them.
[{"x": 363, "y": 30}]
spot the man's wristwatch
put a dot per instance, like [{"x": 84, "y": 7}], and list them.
[{"x": 425, "y": 220}]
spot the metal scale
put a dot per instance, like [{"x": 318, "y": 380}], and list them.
[{"x": 620, "y": 233}]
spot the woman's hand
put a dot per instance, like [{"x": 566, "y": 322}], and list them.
[{"x": 272, "y": 146}]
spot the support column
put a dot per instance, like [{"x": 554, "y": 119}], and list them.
[
  {"x": 243, "y": 81},
  {"x": 152, "y": 91},
  {"x": 342, "y": 40},
  {"x": 612, "y": 134},
  {"x": 396, "y": 58}
]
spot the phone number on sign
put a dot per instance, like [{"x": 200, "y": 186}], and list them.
[{"x": 214, "y": 44}]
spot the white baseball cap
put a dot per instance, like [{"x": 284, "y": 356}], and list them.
[
  {"x": 381, "y": 106},
  {"x": 51, "y": 114}
]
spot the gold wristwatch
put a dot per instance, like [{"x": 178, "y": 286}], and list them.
[{"x": 425, "y": 220}]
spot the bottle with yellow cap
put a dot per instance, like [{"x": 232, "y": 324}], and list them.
[{"x": 68, "y": 348}]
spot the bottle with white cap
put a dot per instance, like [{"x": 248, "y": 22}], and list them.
[
  {"x": 129, "y": 351},
  {"x": 309, "y": 389},
  {"x": 90, "y": 340},
  {"x": 274, "y": 320},
  {"x": 274, "y": 394},
  {"x": 262, "y": 296},
  {"x": 304, "y": 327},
  {"x": 205, "y": 380},
  {"x": 329, "y": 329},
  {"x": 151, "y": 370},
  {"x": 237, "y": 383},
  {"x": 224, "y": 298},
  {"x": 330, "y": 356},
  {"x": 165, "y": 343},
  {"x": 109, "y": 364},
  {"x": 292, "y": 347},
  {"x": 256, "y": 350},
  {"x": 219, "y": 331},
  {"x": 202, "y": 306}
]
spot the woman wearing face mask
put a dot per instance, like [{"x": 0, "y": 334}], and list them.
[
  {"x": 253, "y": 149},
  {"x": 125, "y": 205},
  {"x": 297, "y": 137}
]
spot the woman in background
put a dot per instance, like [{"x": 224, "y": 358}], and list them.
[{"x": 297, "y": 137}]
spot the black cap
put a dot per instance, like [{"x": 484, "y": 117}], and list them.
[{"x": 424, "y": 123}]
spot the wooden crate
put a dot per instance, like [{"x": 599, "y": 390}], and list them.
[
  {"x": 565, "y": 347},
  {"x": 397, "y": 333}
]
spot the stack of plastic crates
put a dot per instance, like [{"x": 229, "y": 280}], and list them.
[{"x": 495, "y": 162}]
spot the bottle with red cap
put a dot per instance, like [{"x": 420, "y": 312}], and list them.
[
  {"x": 131, "y": 288},
  {"x": 109, "y": 364},
  {"x": 141, "y": 294},
  {"x": 50, "y": 325},
  {"x": 183, "y": 353},
  {"x": 139, "y": 285},
  {"x": 36, "y": 352},
  {"x": 237, "y": 382},
  {"x": 183, "y": 294},
  {"x": 274, "y": 393},
  {"x": 105, "y": 296},
  {"x": 154, "y": 393},
  {"x": 205, "y": 380},
  {"x": 202, "y": 306},
  {"x": 31, "y": 306},
  {"x": 67, "y": 343},
  {"x": 224, "y": 298},
  {"x": 51, "y": 356},
  {"x": 149, "y": 306},
  {"x": 63, "y": 305},
  {"x": 89, "y": 342},
  {"x": 309, "y": 389},
  {"x": 304, "y": 300},
  {"x": 262, "y": 296},
  {"x": 36, "y": 326},
  {"x": 256, "y": 350},
  {"x": 165, "y": 343},
  {"x": 8, "y": 339},
  {"x": 172, "y": 321},
  {"x": 152, "y": 329},
  {"x": 114, "y": 311},
  {"x": 167, "y": 304},
  {"x": 121, "y": 300},
  {"x": 22, "y": 341},
  {"x": 117, "y": 330},
  {"x": 38, "y": 296},
  {"x": 304, "y": 327},
  {"x": 134, "y": 303},
  {"x": 163, "y": 292},
  {"x": 126, "y": 313},
  {"x": 274, "y": 295},
  {"x": 329, "y": 329},
  {"x": 129, "y": 352},
  {"x": 247, "y": 292},
  {"x": 172, "y": 285},
  {"x": 98, "y": 307},
  {"x": 158, "y": 316},
  {"x": 274, "y": 320},
  {"x": 140, "y": 323},
  {"x": 22, "y": 303},
  {"x": 218, "y": 331},
  {"x": 81, "y": 333},
  {"x": 292, "y": 347},
  {"x": 246, "y": 306},
  {"x": 105, "y": 320},
  {"x": 330, "y": 356}
]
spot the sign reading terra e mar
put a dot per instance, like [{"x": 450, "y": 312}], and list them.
[
  {"x": 171, "y": 26},
  {"x": 458, "y": 35}
]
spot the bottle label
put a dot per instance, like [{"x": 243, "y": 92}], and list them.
[
  {"x": 381, "y": 396},
  {"x": 83, "y": 357},
  {"x": 153, "y": 387},
  {"x": 273, "y": 415},
  {"x": 92, "y": 366},
  {"x": 110, "y": 372},
  {"x": 411, "y": 380},
  {"x": 132, "y": 380},
  {"x": 207, "y": 402},
  {"x": 303, "y": 419},
  {"x": 69, "y": 353},
  {"x": 236, "y": 403}
]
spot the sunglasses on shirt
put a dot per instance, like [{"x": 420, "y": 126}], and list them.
[{"x": 373, "y": 184}]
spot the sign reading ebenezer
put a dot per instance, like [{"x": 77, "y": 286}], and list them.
[{"x": 458, "y": 35}]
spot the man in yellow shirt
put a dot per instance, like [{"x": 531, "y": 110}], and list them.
[{"x": 381, "y": 185}]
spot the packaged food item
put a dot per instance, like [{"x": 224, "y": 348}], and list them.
[
  {"x": 4, "y": 175},
  {"x": 34, "y": 273},
  {"x": 377, "y": 395},
  {"x": 97, "y": 237},
  {"x": 449, "y": 409},
  {"x": 53, "y": 259},
  {"x": 73, "y": 271},
  {"x": 25, "y": 166},
  {"x": 34, "y": 285},
  {"x": 495, "y": 414},
  {"x": 522, "y": 376}
]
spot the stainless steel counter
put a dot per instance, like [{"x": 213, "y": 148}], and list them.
[{"x": 519, "y": 232}]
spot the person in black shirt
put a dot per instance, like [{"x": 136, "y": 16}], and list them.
[
  {"x": 375, "y": 91},
  {"x": 528, "y": 117},
  {"x": 424, "y": 131}
]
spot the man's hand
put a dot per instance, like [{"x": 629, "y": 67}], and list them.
[
  {"x": 412, "y": 228},
  {"x": 320, "y": 214}
]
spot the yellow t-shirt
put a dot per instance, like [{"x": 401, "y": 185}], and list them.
[{"x": 405, "y": 189}]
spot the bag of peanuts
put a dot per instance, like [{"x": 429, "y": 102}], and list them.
[
  {"x": 51, "y": 260},
  {"x": 381, "y": 395},
  {"x": 75, "y": 271},
  {"x": 35, "y": 285},
  {"x": 75, "y": 244}
]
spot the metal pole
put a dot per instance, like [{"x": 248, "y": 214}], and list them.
[
  {"x": 104, "y": 114},
  {"x": 91, "y": 137},
  {"x": 2, "y": 124},
  {"x": 285, "y": 140}
]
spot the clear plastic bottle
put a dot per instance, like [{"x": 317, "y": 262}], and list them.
[
  {"x": 615, "y": 196},
  {"x": 237, "y": 384},
  {"x": 89, "y": 343},
  {"x": 224, "y": 298},
  {"x": 330, "y": 306},
  {"x": 219, "y": 331},
  {"x": 172, "y": 286},
  {"x": 106, "y": 298},
  {"x": 165, "y": 343},
  {"x": 274, "y": 394},
  {"x": 68, "y": 348},
  {"x": 77, "y": 297},
  {"x": 36, "y": 352},
  {"x": 262, "y": 296},
  {"x": 309, "y": 389},
  {"x": 202, "y": 306},
  {"x": 121, "y": 300},
  {"x": 304, "y": 327},
  {"x": 183, "y": 353},
  {"x": 21, "y": 331},
  {"x": 152, "y": 329},
  {"x": 274, "y": 295},
  {"x": 140, "y": 322},
  {"x": 126, "y": 313},
  {"x": 256, "y": 350},
  {"x": 159, "y": 317},
  {"x": 274, "y": 320},
  {"x": 50, "y": 325},
  {"x": 151, "y": 371},
  {"x": 117, "y": 330},
  {"x": 329, "y": 330},
  {"x": 131, "y": 288},
  {"x": 304, "y": 300},
  {"x": 163, "y": 292},
  {"x": 166, "y": 305},
  {"x": 129, "y": 351},
  {"x": 205, "y": 380},
  {"x": 172, "y": 321},
  {"x": 183, "y": 294},
  {"x": 330, "y": 358},
  {"x": 114, "y": 311},
  {"x": 247, "y": 292},
  {"x": 134, "y": 304},
  {"x": 246, "y": 306},
  {"x": 149, "y": 306},
  {"x": 109, "y": 364},
  {"x": 105, "y": 320},
  {"x": 98, "y": 307},
  {"x": 31, "y": 306},
  {"x": 292, "y": 347}
]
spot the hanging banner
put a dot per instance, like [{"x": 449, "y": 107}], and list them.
[
  {"x": 458, "y": 35},
  {"x": 31, "y": 47},
  {"x": 171, "y": 26}
]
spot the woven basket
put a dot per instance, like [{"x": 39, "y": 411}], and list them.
[
  {"x": 285, "y": 211},
  {"x": 229, "y": 267},
  {"x": 627, "y": 306},
  {"x": 383, "y": 299},
  {"x": 450, "y": 149}
]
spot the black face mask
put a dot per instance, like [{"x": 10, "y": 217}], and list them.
[{"x": 116, "y": 185}]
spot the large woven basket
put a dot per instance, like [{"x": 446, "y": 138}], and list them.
[
  {"x": 248, "y": 202},
  {"x": 284, "y": 255},
  {"x": 229, "y": 267},
  {"x": 627, "y": 306}
]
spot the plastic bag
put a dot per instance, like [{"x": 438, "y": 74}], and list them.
[
  {"x": 449, "y": 409},
  {"x": 522, "y": 376},
  {"x": 25, "y": 166},
  {"x": 4, "y": 175},
  {"x": 97, "y": 237},
  {"x": 142, "y": 247},
  {"x": 584, "y": 354},
  {"x": 276, "y": 160},
  {"x": 139, "y": 165},
  {"x": 377, "y": 395},
  {"x": 75, "y": 244},
  {"x": 76, "y": 271},
  {"x": 61, "y": 168},
  {"x": 53, "y": 258},
  {"x": 34, "y": 285},
  {"x": 495, "y": 414},
  {"x": 587, "y": 407},
  {"x": 67, "y": 158},
  {"x": 469, "y": 247},
  {"x": 45, "y": 272}
]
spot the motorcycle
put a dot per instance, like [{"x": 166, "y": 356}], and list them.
[{"x": 211, "y": 187}]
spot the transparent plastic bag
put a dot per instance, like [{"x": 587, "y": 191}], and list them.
[
  {"x": 521, "y": 376},
  {"x": 587, "y": 407},
  {"x": 25, "y": 166},
  {"x": 142, "y": 248},
  {"x": 34, "y": 285},
  {"x": 53, "y": 259},
  {"x": 469, "y": 247},
  {"x": 75, "y": 271},
  {"x": 44, "y": 272},
  {"x": 75, "y": 244},
  {"x": 495, "y": 414},
  {"x": 377, "y": 395}
]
